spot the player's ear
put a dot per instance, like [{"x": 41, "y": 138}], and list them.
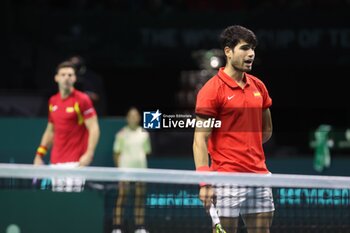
[
  {"x": 56, "y": 78},
  {"x": 228, "y": 51}
]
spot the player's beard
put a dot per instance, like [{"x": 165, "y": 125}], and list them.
[
  {"x": 66, "y": 88},
  {"x": 241, "y": 68}
]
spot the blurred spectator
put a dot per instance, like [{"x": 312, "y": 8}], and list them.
[
  {"x": 91, "y": 83},
  {"x": 323, "y": 143},
  {"x": 131, "y": 146}
]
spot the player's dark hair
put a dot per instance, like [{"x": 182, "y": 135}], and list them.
[
  {"x": 66, "y": 64},
  {"x": 231, "y": 36}
]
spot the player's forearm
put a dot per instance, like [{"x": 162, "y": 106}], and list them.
[
  {"x": 47, "y": 139},
  {"x": 45, "y": 144},
  {"x": 200, "y": 159},
  {"x": 200, "y": 151},
  {"x": 267, "y": 125},
  {"x": 266, "y": 136},
  {"x": 267, "y": 132},
  {"x": 94, "y": 135}
]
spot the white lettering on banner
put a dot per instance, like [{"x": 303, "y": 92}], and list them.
[
  {"x": 191, "y": 123},
  {"x": 276, "y": 39}
]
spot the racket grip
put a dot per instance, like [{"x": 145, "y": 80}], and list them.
[{"x": 214, "y": 215}]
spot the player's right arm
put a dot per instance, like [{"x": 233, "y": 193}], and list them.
[
  {"x": 267, "y": 125},
  {"x": 200, "y": 145},
  {"x": 45, "y": 144},
  {"x": 200, "y": 153}
]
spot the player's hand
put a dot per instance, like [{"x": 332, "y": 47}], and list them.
[
  {"x": 38, "y": 160},
  {"x": 219, "y": 229},
  {"x": 206, "y": 195},
  {"x": 85, "y": 159}
]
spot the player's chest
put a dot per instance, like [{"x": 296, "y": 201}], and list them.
[
  {"x": 242, "y": 98},
  {"x": 240, "y": 101},
  {"x": 66, "y": 111}
]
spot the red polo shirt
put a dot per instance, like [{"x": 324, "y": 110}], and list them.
[
  {"x": 70, "y": 134},
  {"x": 237, "y": 145}
]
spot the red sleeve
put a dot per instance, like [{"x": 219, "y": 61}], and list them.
[
  {"x": 207, "y": 102},
  {"x": 50, "y": 106},
  {"x": 86, "y": 107},
  {"x": 267, "y": 101}
]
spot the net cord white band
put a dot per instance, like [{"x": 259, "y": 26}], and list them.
[{"x": 111, "y": 174}]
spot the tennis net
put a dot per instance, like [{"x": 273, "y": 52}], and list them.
[{"x": 101, "y": 199}]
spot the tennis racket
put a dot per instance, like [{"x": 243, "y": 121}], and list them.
[{"x": 215, "y": 219}]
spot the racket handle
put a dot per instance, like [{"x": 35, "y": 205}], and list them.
[{"x": 214, "y": 215}]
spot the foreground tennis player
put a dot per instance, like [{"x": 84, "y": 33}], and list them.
[
  {"x": 241, "y": 101},
  {"x": 72, "y": 129}
]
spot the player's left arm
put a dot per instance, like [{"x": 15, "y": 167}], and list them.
[
  {"x": 94, "y": 135},
  {"x": 266, "y": 125}
]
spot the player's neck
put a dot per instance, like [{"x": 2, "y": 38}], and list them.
[
  {"x": 64, "y": 93},
  {"x": 236, "y": 75}
]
